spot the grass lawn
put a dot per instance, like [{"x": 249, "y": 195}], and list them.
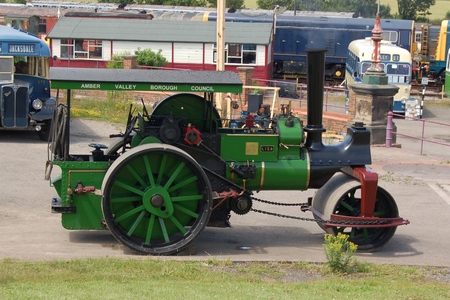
[{"x": 152, "y": 278}]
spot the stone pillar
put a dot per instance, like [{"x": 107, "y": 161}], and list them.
[
  {"x": 246, "y": 74},
  {"x": 370, "y": 101},
  {"x": 370, "y": 104},
  {"x": 130, "y": 62}
]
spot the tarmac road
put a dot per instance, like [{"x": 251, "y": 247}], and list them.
[{"x": 29, "y": 231}]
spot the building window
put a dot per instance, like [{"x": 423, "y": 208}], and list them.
[
  {"x": 238, "y": 54},
  {"x": 42, "y": 26},
  {"x": 234, "y": 54},
  {"x": 95, "y": 49},
  {"x": 67, "y": 47},
  {"x": 249, "y": 54},
  {"x": 83, "y": 49}
]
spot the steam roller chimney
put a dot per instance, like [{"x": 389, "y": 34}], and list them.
[{"x": 315, "y": 80}]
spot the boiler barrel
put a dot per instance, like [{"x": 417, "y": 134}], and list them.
[{"x": 283, "y": 174}]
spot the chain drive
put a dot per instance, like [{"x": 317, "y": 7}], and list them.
[{"x": 309, "y": 219}]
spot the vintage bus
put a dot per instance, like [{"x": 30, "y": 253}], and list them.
[
  {"x": 396, "y": 63},
  {"x": 24, "y": 82}
]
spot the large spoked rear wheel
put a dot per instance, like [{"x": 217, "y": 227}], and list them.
[
  {"x": 342, "y": 196},
  {"x": 156, "y": 199}
]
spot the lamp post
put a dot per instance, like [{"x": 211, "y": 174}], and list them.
[{"x": 375, "y": 73}]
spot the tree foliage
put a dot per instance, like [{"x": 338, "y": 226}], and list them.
[
  {"x": 236, "y": 4},
  {"x": 271, "y": 4},
  {"x": 121, "y": 2},
  {"x": 147, "y": 57},
  {"x": 202, "y": 3},
  {"x": 412, "y": 9},
  {"x": 361, "y": 8}
]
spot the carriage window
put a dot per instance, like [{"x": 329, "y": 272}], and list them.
[{"x": 391, "y": 36}]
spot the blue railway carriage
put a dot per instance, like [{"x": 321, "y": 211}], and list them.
[
  {"x": 24, "y": 82},
  {"x": 396, "y": 62}
]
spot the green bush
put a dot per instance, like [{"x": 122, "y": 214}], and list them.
[
  {"x": 147, "y": 57},
  {"x": 117, "y": 61}
]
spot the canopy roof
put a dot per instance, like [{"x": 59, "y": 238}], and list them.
[{"x": 145, "y": 80}]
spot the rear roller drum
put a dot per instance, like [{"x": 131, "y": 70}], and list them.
[
  {"x": 342, "y": 196},
  {"x": 156, "y": 199}
]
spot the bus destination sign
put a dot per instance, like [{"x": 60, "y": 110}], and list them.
[{"x": 21, "y": 48}]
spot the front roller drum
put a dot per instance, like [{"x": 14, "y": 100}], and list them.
[
  {"x": 156, "y": 199},
  {"x": 341, "y": 195}
]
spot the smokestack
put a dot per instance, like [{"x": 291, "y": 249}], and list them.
[{"x": 315, "y": 80}]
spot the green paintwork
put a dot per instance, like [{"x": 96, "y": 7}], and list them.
[
  {"x": 291, "y": 138},
  {"x": 279, "y": 167},
  {"x": 248, "y": 146},
  {"x": 88, "y": 207},
  {"x": 137, "y": 140},
  {"x": 284, "y": 174},
  {"x": 195, "y": 110},
  {"x": 447, "y": 83}
]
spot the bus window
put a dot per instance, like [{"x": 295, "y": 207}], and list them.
[
  {"x": 20, "y": 65},
  {"x": 366, "y": 65},
  {"x": 398, "y": 73},
  {"x": 397, "y": 69}
]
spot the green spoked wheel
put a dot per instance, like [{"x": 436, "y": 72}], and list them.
[
  {"x": 341, "y": 195},
  {"x": 156, "y": 199}
]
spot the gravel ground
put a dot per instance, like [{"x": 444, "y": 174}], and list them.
[{"x": 29, "y": 231}]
